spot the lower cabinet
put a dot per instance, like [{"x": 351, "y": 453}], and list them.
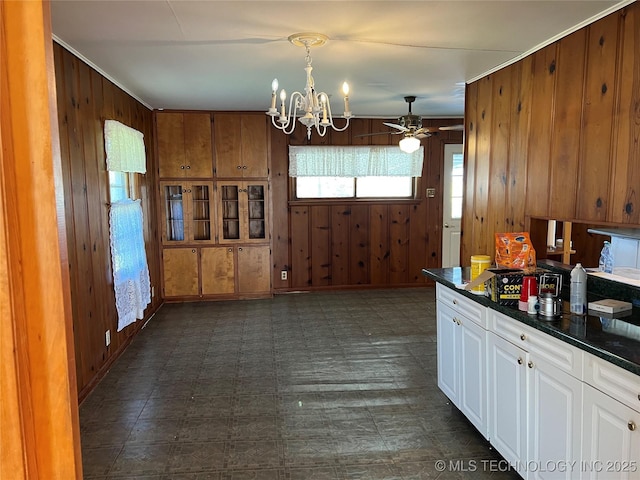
[
  {"x": 611, "y": 446},
  {"x": 534, "y": 404},
  {"x": 552, "y": 410},
  {"x": 216, "y": 271},
  {"x": 462, "y": 357}
]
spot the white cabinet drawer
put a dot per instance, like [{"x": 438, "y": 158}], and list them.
[
  {"x": 463, "y": 305},
  {"x": 616, "y": 382},
  {"x": 564, "y": 356}
]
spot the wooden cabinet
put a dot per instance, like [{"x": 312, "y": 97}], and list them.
[
  {"x": 461, "y": 346},
  {"x": 242, "y": 212},
  {"x": 254, "y": 272},
  {"x": 187, "y": 209},
  {"x": 184, "y": 145},
  {"x": 241, "y": 147},
  {"x": 215, "y": 233},
  {"x": 241, "y": 270},
  {"x": 180, "y": 272}
]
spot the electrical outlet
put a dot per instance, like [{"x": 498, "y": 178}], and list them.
[
  {"x": 153, "y": 291},
  {"x": 283, "y": 275},
  {"x": 107, "y": 338}
]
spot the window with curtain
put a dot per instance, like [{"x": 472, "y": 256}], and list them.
[
  {"x": 126, "y": 158},
  {"x": 327, "y": 172}
]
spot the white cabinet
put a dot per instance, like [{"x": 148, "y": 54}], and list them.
[
  {"x": 507, "y": 399},
  {"x": 611, "y": 421},
  {"x": 611, "y": 443},
  {"x": 462, "y": 355},
  {"x": 534, "y": 401}
]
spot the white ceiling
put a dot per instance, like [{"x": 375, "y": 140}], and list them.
[{"x": 223, "y": 55}]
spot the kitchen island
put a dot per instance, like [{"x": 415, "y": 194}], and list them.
[{"x": 557, "y": 398}]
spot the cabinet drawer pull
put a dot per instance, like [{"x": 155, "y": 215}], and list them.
[
  {"x": 530, "y": 364},
  {"x": 519, "y": 360},
  {"x": 523, "y": 336},
  {"x": 631, "y": 425}
]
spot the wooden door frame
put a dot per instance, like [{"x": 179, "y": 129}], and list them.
[{"x": 40, "y": 435}]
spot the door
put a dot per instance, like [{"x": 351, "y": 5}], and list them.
[
  {"x": 507, "y": 400},
  {"x": 448, "y": 345},
  {"x": 217, "y": 267},
  {"x": 452, "y": 204},
  {"x": 555, "y": 420},
  {"x": 180, "y": 267},
  {"x": 254, "y": 272},
  {"x": 611, "y": 438}
]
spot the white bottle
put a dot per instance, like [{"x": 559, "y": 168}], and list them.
[{"x": 578, "y": 290}]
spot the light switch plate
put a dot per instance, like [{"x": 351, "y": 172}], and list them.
[{"x": 431, "y": 192}]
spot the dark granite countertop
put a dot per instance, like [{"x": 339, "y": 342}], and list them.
[{"x": 616, "y": 340}]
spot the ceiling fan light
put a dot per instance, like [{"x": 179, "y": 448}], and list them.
[{"x": 409, "y": 144}]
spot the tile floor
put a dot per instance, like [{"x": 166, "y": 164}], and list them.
[{"x": 330, "y": 385}]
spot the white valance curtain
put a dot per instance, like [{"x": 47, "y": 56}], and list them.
[
  {"x": 354, "y": 161},
  {"x": 129, "y": 260},
  {"x": 124, "y": 147}
]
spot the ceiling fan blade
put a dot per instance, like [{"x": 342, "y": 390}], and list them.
[
  {"x": 422, "y": 134},
  {"x": 457, "y": 128},
  {"x": 395, "y": 125},
  {"x": 377, "y": 133}
]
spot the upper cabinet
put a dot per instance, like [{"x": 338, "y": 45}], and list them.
[
  {"x": 184, "y": 145},
  {"x": 240, "y": 145}
]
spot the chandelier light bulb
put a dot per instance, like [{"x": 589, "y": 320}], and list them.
[
  {"x": 274, "y": 89},
  {"x": 409, "y": 144},
  {"x": 310, "y": 107}
]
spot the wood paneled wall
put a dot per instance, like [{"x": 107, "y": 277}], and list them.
[
  {"x": 85, "y": 100},
  {"x": 357, "y": 243},
  {"x": 555, "y": 135}
]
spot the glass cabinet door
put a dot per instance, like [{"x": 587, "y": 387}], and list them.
[
  {"x": 174, "y": 213},
  {"x": 242, "y": 211},
  {"x": 230, "y": 198},
  {"x": 200, "y": 211},
  {"x": 256, "y": 209}
]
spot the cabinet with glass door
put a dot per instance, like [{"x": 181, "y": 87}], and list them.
[
  {"x": 242, "y": 212},
  {"x": 187, "y": 212}
]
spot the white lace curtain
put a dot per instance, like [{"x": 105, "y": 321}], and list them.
[
  {"x": 354, "y": 161},
  {"x": 124, "y": 147},
  {"x": 129, "y": 260}
]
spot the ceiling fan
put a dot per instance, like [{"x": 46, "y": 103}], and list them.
[{"x": 410, "y": 126}]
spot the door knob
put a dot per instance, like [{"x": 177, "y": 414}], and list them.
[{"x": 446, "y": 225}]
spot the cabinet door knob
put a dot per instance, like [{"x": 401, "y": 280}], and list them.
[
  {"x": 181, "y": 167},
  {"x": 530, "y": 364},
  {"x": 230, "y": 250},
  {"x": 244, "y": 167},
  {"x": 238, "y": 167},
  {"x": 239, "y": 249},
  {"x": 631, "y": 425},
  {"x": 519, "y": 360},
  {"x": 523, "y": 336},
  {"x": 193, "y": 250},
  {"x": 455, "y": 302},
  {"x": 188, "y": 167}
]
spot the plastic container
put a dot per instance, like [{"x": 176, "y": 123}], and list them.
[
  {"x": 578, "y": 290},
  {"x": 479, "y": 263},
  {"x": 606, "y": 258}
]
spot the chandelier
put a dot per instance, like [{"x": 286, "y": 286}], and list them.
[{"x": 311, "y": 108}]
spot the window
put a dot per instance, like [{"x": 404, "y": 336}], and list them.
[
  {"x": 123, "y": 185},
  {"x": 354, "y": 171},
  {"x": 350, "y": 187},
  {"x": 457, "y": 185}
]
